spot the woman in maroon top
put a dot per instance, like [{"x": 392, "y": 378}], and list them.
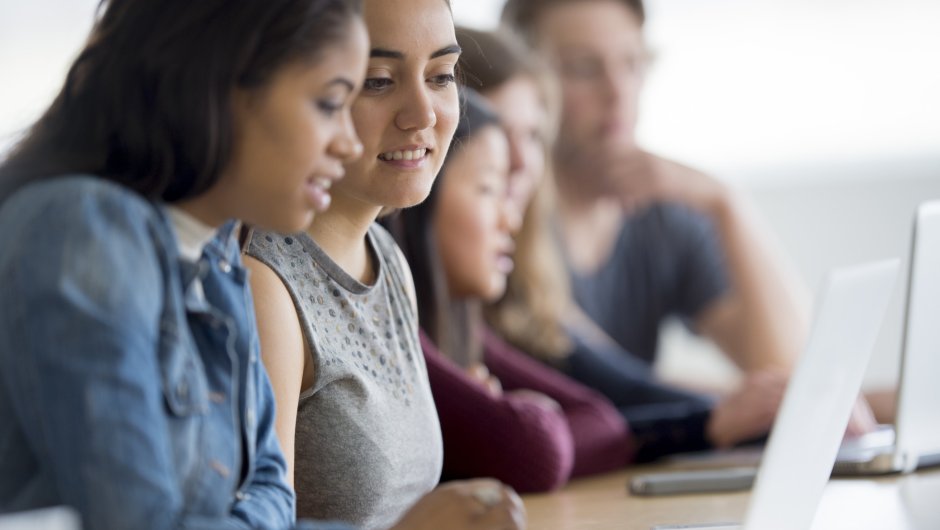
[{"x": 503, "y": 414}]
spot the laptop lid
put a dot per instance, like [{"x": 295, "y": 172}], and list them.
[
  {"x": 797, "y": 461},
  {"x": 918, "y": 409}
]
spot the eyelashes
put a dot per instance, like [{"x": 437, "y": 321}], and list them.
[
  {"x": 444, "y": 80},
  {"x": 328, "y": 108},
  {"x": 375, "y": 85}
]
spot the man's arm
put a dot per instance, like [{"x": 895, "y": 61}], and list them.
[{"x": 761, "y": 322}]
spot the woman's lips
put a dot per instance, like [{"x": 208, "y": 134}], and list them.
[
  {"x": 505, "y": 264},
  {"x": 318, "y": 192},
  {"x": 406, "y": 158}
]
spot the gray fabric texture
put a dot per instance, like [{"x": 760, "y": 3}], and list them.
[
  {"x": 368, "y": 441},
  {"x": 667, "y": 261}
]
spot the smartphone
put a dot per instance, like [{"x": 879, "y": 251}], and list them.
[{"x": 697, "y": 481}]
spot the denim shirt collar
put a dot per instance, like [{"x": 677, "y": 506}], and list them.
[{"x": 218, "y": 250}]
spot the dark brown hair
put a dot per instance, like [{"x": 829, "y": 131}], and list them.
[
  {"x": 491, "y": 58},
  {"x": 522, "y": 16},
  {"x": 147, "y": 103}
]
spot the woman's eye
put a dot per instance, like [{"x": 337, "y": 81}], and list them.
[
  {"x": 328, "y": 107},
  {"x": 581, "y": 69},
  {"x": 376, "y": 84},
  {"x": 444, "y": 80}
]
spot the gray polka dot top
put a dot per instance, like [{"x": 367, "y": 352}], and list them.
[{"x": 368, "y": 442}]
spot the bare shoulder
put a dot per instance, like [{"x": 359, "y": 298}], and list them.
[{"x": 278, "y": 323}]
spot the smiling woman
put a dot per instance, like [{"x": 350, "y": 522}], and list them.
[
  {"x": 408, "y": 107},
  {"x": 336, "y": 311},
  {"x": 133, "y": 324}
]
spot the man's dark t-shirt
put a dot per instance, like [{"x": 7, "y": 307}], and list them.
[{"x": 667, "y": 261}]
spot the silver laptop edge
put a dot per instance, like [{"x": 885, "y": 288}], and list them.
[
  {"x": 819, "y": 397},
  {"x": 917, "y": 426},
  {"x": 918, "y": 420}
]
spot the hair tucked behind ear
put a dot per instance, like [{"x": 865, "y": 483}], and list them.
[{"x": 147, "y": 103}]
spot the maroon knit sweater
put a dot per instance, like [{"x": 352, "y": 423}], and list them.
[{"x": 515, "y": 439}]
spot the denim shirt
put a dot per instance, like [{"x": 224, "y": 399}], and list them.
[{"x": 127, "y": 392}]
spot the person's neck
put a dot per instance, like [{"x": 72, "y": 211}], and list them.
[
  {"x": 202, "y": 209},
  {"x": 589, "y": 215},
  {"x": 589, "y": 224},
  {"x": 576, "y": 201},
  {"x": 341, "y": 233}
]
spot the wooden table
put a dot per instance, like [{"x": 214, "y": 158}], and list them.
[{"x": 886, "y": 503}]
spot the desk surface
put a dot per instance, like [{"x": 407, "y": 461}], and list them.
[{"x": 886, "y": 503}]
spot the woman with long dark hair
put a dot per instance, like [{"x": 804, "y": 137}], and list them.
[{"x": 130, "y": 387}]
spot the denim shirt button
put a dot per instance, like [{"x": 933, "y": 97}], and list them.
[
  {"x": 242, "y": 496},
  {"x": 250, "y": 418},
  {"x": 182, "y": 390},
  {"x": 225, "y": 267}
]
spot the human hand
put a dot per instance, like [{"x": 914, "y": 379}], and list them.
[
  {"x": 862, "y": 421},
  {"x": 471, "y": 504},
  {"x": 748, "y": 412},
  {"x": 481, "y": 374},
  {"x": 640, "y": 178}
]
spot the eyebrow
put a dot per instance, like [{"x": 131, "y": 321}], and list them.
[
  {"x": 393, "y": 54},
  {"x": 447, "y": 50}
]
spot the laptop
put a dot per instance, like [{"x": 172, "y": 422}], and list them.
[
  {"x": 914, "y": 440},
  {"x": 818, "y": 401}
]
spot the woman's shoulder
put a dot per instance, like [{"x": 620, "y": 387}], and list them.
[
  {"x": 388, "y": 251},
  {"x": 275, "y": 249},
  {"x": 72, "y": 198},
  {"x": 89, "y": 234},
  {"x": 383, "y": 241}
]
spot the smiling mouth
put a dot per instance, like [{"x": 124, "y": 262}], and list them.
[
  {"x": 322, "y": 182},
  {"x": 416, "y": 154}
]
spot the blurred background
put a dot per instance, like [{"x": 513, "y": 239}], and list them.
[{"x": 826, "y": 112}]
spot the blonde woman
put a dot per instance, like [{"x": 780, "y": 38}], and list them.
[{"x": 538, "y": 314}]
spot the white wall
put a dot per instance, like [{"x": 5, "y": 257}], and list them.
[
  {"x": 38, "y": 41},
  {"x": 829, "y": 215},
  {"x": 826, "y": 112},
  {"x": 740, "y": 85}
]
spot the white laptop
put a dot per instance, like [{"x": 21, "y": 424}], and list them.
[
  {"x": 914, "y": 440},
  {"x": 815, "y": 410}
]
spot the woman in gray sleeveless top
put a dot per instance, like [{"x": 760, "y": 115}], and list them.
[
  {"x": 367, "y": 440},
  {"x": 335, "y": 305}
]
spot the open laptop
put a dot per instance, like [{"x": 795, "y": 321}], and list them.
[
  {"x": 914, "y": 440},
  {"x": 818, "y": 401}
]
